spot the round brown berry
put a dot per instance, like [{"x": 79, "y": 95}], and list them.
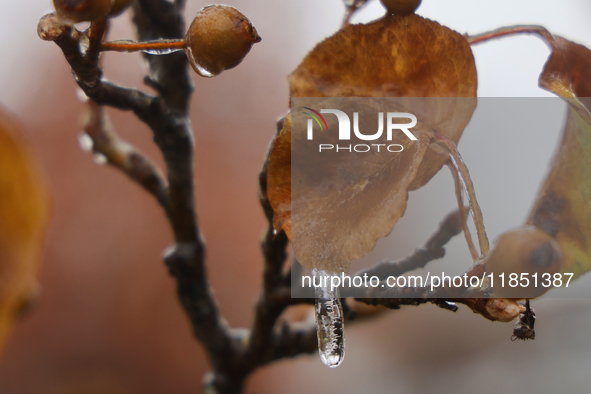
[
  {"x": 82, "y": 10},
  {"x": 401, "y": 7},
  {"x": 218, "y": 39}
]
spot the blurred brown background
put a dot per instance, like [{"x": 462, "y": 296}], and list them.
[{"x": 108, "y": 320}]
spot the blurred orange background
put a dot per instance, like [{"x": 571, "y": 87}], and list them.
[{"x": 108, "y": 320}]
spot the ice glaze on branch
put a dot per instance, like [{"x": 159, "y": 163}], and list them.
[
  {"x": 432, "y": 250},
  {"x": 167, "y": 116},
  {"x": 122, "y": 155}
]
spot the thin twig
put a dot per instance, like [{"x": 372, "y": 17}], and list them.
[
  {"x": 510, "y": 31},
  {"x": 134, "y": 46},
  {"x": 432, "y": 250},
  {"x": 167, "y": 116},
  {"x": 352, "y": 9},
  {"x": 276, "y": 295},
  {"x": 122, "y": 155},
  {"x": 174, "y": 137},
  {"x": 459, "y": 191},
  {"x": 478, "y": 300}
]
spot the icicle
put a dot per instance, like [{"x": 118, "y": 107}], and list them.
[{"x": 329, "y": 320}]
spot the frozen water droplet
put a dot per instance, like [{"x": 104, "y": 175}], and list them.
[
  {"x": 83, "y": 44},
  {"x": 99, "y": 158},
  {"x": 329, "y": 320},
  {"x": 198, "y": 67},
  {"x": 203, "y": 71},
  {"x": 82, "y": 26},
  {"x": 85, "y": 142},
  {"x": 81, "y": 95},
  {"x": 163, "y": 51}
]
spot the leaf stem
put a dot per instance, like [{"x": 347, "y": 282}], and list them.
[
  {"x": 350, "y": 10},
  {"x": 464, "y": 175},
  {"x": 462, "y": 212},
  {"x": 133, "y": 46},
  {"x": 509, "y": 31}
]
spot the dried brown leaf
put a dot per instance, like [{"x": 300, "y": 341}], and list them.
[
  {"x": 406, "y": 56},
  {"x": 279, "y": 178},
  {"x": 563, "y": 208},
  {"x": 391, "y": 57},
  {"x": 557, "y": 234}
]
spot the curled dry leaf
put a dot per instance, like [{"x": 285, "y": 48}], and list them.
[
  {"x": 24, "y": 214},
  {"x": 392, "y": 57},
  {"x": 525, "y": 250},
  {"x": 563, "y": 208},
  {"x": 557, "y": 233},
  {"x": 279, "y": 178}
]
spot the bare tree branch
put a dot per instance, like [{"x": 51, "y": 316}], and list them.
[
  {"x": 432, "y": 250},
  {"x": 480, "y": 301},
  {"x": 167, "y": 116},
  {"x": 122, "y": 155}
]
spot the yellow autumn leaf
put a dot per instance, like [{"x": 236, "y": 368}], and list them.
[{"x": 24, "y": 215}]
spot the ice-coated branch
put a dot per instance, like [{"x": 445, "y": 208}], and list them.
[
  {"x": 432, "y": 250},
  {"x": 169, "y": 75},
  {"x": 166, "y": 114},
  {"x": 122, "y": 155},
  {"x": 478, "y": 300},
  {"x": 173, "y": 135},
  {"x": 233, "y": 353}
]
